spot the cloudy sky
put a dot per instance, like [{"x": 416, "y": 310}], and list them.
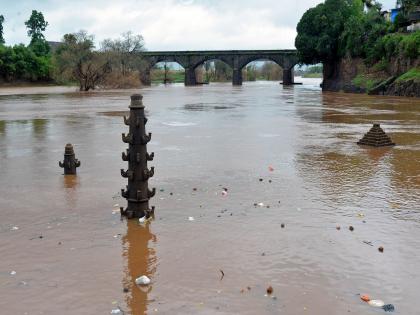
[{"x": 167, "y": 24}]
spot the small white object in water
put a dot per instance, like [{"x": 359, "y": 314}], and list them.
[
  {"x": 12, "y": 272},
  {"x": 116, "y": 311},
  {"x": 261, "y": 204},
  {"x": 190, "y": 218},
  {"x": 142, "y": 220},
  {"x": 143, "y": 280},
  {"x": 376, "y": 303},
  {"x": 15, "y": 228},
  {"x": 116, "y": 205}
]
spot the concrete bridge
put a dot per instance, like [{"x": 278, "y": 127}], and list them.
[{"x": 236, "y": 59}]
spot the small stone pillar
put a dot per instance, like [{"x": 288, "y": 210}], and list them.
[
  {"x": 70, "y": 163},
  {"x": 137, "y": 192},
  {"x": 376, "y": 137}
]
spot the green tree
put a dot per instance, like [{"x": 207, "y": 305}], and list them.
[
  {"x": 320, "y": 28},
  {"x": 1, "y": 29},
  {"x": 36, "y": 25}
]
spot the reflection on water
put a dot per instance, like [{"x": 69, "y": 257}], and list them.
[{"x": 140, "y": 259}]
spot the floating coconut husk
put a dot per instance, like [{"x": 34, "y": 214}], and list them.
[{"x": 376, "y": 137}]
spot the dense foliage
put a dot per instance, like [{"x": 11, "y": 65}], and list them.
[
  {"x": 1, "y": 29},
  {"x": 28, "y": 63},
  {"x": 339, "y": 28}
]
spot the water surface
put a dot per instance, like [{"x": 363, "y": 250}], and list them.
[{"x": 73, "y": 255}]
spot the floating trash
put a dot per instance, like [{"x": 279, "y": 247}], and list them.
[
  {"x": 15, "y": 228},
  {"x": 381, "y": 249},
  {"x": 376, "y": 303},
  {"x": 270, "y": 168},
  {"x": 143, "y": 280},
  {"x": 261, "y": 204},
  {"x": 191, "y": 219},
  {"x": 224, "y": 193},
  {"x": 117, "y": 311},
  {"x": 270, "y": 290},
  {"x": 388, "y": 308},
  {"x": 142, "y": 220},
  {"x": 12, "y": 273}
]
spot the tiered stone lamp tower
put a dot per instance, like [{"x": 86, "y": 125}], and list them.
[
  {"x": 70, "y": 163},
  {"x": 137, "y": 192},
  {"x": 376, "y": 137}
]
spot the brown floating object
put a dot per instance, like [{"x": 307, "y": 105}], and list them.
[
  {"x": 351, "y": 228},
  {"x": 137, "y": 192},
  {"x": 70, "y": 163},
  {"x": 269, "y": 290},
  {"x": 381, "y": 249},
  {"x": 376, "y": 137}
]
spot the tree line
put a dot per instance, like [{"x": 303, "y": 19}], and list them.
[{"x": 75, "y": 60}]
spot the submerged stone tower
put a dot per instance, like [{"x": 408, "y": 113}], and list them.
[
  {"x": 376, "y": 137},
  {"x": 137, "y": 192},
  {"x": 70, "y": 163}
]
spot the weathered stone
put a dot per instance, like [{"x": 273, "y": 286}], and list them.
[
  {"x": 137, "y": 192},
  {"x": 376, "y": 137},
  {"x": 70, "y": 163}
]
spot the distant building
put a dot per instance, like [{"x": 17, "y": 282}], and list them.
[
  {"x": 394, "y": 13},
  {"x": 414, "y": 19}
]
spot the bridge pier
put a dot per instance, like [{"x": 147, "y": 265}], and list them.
[
  {"x": 190, "y": 78},
  {"x": 288, "y": 77},
  {"x": 237, "y": 77}
]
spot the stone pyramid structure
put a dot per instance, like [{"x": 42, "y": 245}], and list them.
[{"x": 376, "y": 137}]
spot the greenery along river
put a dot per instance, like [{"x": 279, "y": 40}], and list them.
[{"x": 65, "y": 249}]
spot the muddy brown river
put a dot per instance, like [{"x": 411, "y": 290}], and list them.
[{"x": 65, "y": 250}]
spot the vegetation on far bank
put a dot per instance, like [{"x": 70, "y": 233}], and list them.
[{"x": 358, "y": 30}]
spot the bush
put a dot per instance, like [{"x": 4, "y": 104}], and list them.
[{"x": 411, "y": 75}]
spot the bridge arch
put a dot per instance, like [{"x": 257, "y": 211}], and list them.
[{"x": 237, "y": 59}]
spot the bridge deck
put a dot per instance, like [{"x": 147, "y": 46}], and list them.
[{"x": 219, "y": 52}]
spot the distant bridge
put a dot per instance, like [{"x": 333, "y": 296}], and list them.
[{"x": 236, "y": 59}]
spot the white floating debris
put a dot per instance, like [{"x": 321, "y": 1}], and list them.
[
  {"x": 116, "y": 311},
  {"x": 12, "y": 272},
  {"x": 191, "y": 219},
  {"x": 261, "y": 204},
  {"x": 143, "y": 280},
  {"x": 142, "y": 220},
  {"x": 376, "y": 303},
  {"x": 15, "y": 228},
  {"x": 116, "y": 205}
]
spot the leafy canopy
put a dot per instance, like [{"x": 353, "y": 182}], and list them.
[
  {"x": 36, "y": 25},
  {"x": 1, "y": 29}
]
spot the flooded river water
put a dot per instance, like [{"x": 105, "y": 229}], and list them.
[{"x": 64, "y": 250}]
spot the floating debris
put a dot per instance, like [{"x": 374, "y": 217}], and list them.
[
  {"x": 388, "y": 308},
  {"x": 191, "y": 219},
  {"x": 143, "y": 280},
  {"x": 223, "y": 274},
  {"x": 338, "y": 228},
  {"x": 282, "y": 225},
  {"x": 12, "y": 273},
  {"x": 270, "y": 168},
  {"x": 381, "y": 249},
  {"x": 351, "y": 228},
  {"x": 376, "y": 137},
  {"x": 376, "y": 303},
  {"x": 15, "y": 228},
  {"x": 270, "y": 290}
]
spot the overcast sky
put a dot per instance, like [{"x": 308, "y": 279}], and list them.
[{"x": 167, "y": 24}]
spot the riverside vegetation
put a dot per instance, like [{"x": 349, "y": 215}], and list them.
[{"x": 360, "y": 49}]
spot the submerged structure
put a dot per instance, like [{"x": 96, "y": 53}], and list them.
[
  {"x": 70, "y": 163},
  {"x": 376, "y": 137},
  {"x": 137, "y": 192}
]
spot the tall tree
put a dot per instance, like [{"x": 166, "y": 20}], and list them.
[
  {"x": 320, "y": 28},
  {"x": 76, "y": 60},
  {"x": 1, "y": 29},
  {"x": 36, "y": 25}
]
